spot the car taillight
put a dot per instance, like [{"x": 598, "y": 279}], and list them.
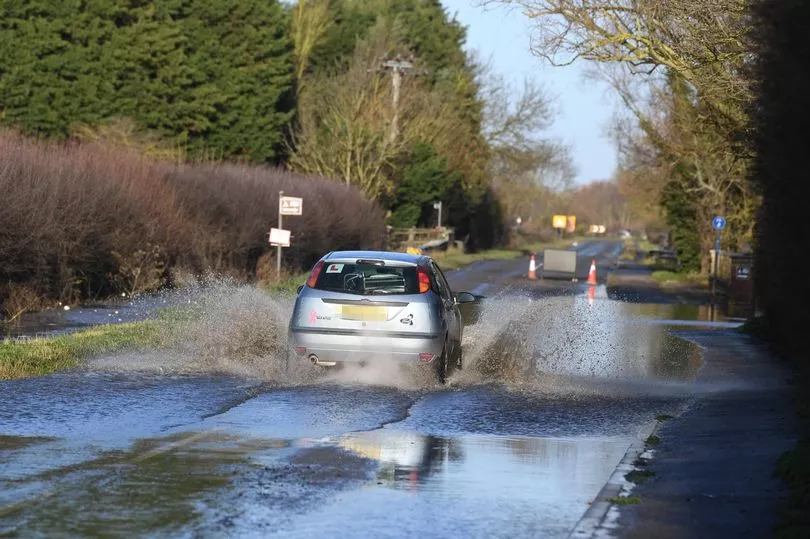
[
  {"x": 313, "y": 276},
  {"x": 424, "y": 280}
]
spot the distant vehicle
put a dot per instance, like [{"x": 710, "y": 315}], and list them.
[
  {"x": 368, "y": 306},
  {"x": 625, "y": 233}
]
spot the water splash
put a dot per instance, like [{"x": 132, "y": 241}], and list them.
[
  {"x": 573, "y": 343},
  {"x": 553, "y": 343},
  {"x": 221, "y": 328}
]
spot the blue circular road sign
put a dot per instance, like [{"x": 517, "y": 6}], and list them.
[{"x": 719, "y": 223}]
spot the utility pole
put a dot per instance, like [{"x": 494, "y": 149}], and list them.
[{"x": 399, "y": 67}]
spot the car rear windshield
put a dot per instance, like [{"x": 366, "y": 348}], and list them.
[{"x": 368, "y": 279}]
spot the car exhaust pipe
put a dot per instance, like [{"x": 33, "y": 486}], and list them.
[{"x": 316, "y": 361}]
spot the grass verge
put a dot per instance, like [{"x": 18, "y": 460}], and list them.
[
  {"x": 622, "y": 500},
  {"x": 456, "y": 259},
  {"x": 639, "y": 476},
  {"x": 665, "y": 277},
  {"x": 288, "y": 283},
  {"x": 652, "y": 440},
  {"x": 793, "y": 467},
  {"x": 35, "y": 357},
  {"x": 40, "y": 356}
]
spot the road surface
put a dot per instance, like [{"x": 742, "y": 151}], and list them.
[{"x": 557, "y": 385}]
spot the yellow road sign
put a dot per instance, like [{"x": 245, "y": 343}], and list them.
[{"x": 572, "y": 223}]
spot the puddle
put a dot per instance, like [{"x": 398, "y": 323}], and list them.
[
  {"x": 434, "y": 486},
  {"x": 156, "y": 486}
]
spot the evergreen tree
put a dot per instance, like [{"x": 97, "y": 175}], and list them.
[
  {"x": 53, "y": 67},
  {"x": 212, "y": 75},
  {"x": 426, "y": 180},
  {"x": 240, "y": 57}
]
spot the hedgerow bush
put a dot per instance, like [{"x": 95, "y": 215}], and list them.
[{"x": 81, "y": 220}]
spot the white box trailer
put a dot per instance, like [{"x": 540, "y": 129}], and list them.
[{"x": 559, "y": 264}]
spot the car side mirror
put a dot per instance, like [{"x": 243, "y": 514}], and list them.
[
  {"x": 465, "y": 297},
  {"x": 298, "y": 291}
]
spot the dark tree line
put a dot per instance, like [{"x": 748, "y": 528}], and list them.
[
  {"x": 781, "y": 115},
  {"x": 211, "y": 76}
]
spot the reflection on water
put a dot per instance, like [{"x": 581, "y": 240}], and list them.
[
  {"x": 175, "y": 485},
  {"x": 409, "y": 457},
  {"x": 468, "y": 486},
  {"x": 156, "y": 485}
]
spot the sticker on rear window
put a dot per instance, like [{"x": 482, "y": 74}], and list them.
[{"x": 334, "y": 268}]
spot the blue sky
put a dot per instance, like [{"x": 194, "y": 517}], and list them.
[{"x": 584, "y": 107}]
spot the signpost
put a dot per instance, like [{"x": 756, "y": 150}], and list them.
[
  {"x": 718, "y": 223},
  {"x": 571, "y": 224},
  {"x": 438, "y": 206},
  {"x": 278, "y": 236}
]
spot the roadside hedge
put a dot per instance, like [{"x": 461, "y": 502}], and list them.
[{"x": 80, "y": 221}]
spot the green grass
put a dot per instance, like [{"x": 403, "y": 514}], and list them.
[
  {"x": 652, "y": 440},
  {"x": 647, "y": 246},
  {"x": 639, "y": 476},
  {"x": 36, "y": 357},
  {"x": 562, "y": 243},
  {"x": 622, "y": 500},
  {"x": 40, "y": 356},
  {"x": 289, "y": 283},
  {"x": 793, "y": 467},
  {"x": 663, "y": 276},
  {"x": 456, "y": 259}
]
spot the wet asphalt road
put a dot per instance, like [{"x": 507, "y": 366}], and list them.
[{"x": 556, "y": 386}]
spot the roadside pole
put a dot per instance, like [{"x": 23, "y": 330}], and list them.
[
  {"x": 278, "y": 247},
  {"x": 438, "y": 206},
  {"x": 279, "y": 237},
  {"x": 718, "y": 223}
]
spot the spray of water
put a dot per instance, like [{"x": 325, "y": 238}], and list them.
[
  {"x": 570, "y": 345},
  {"x": 224, "y": 328},
  {"x": 556, "y": 344}
]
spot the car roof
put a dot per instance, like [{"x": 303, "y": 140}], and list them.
[{"x": 391, "y": 256}]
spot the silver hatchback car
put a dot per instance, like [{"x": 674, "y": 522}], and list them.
[{"x": 368, "y": 306}]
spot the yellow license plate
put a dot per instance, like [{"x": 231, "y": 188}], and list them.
[{"x": 352, "y": 312}]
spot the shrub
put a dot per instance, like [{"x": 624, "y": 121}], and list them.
[{"x": 79, "y": 221}]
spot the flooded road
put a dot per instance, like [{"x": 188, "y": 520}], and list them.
[{"x": 553, "y": 392}]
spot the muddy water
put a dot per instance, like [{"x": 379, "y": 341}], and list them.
[{"x": 553, "y": 392}]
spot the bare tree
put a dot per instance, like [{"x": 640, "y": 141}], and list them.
[
  {"x": 344, "y": 119},
  {"x": 704, "y": 41},
  {"x": 529, "y": 168}
]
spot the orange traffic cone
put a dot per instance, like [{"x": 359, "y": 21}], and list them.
[
  {"x": 591, "y": 295},
  {"x": 592, "y": 274},
  {"x": 532, "y": 268}
]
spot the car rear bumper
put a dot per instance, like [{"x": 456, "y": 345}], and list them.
[{"x": 354, "y": 346}]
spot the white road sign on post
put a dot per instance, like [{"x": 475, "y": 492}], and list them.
[
  {"x": 291, "y": 206},
  {"x": 279, "y": 237}
]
